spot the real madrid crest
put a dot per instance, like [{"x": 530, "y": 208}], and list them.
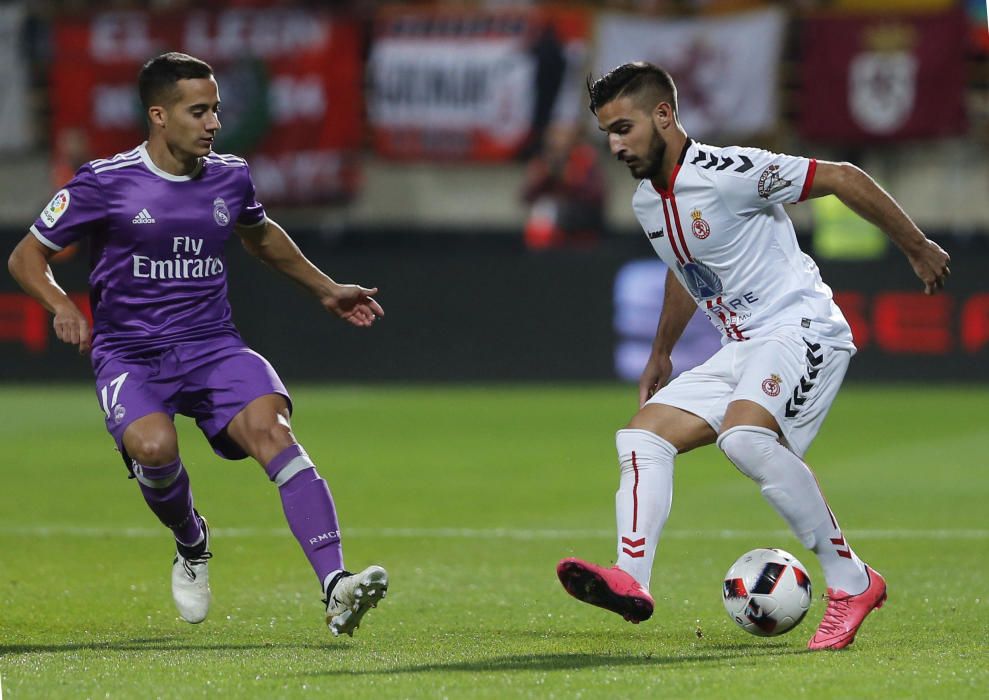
[
  {"x": 699, "y": 228},
  {"x": 221, "y": 215}
]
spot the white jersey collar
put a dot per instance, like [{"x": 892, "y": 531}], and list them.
[{"x": 146, "y": 159}]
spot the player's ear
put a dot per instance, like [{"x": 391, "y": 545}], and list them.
[
  {"x": 662, "y": 115},
  {"x": 156, "y": 115}
]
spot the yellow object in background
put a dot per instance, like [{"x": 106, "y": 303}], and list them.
[{"x": 841, "y": 234}]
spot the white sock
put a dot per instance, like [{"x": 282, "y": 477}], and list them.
[
  {"x": 642, "y": 504},
  {"x": 790, "y": 487}
]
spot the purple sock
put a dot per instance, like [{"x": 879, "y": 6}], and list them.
[
  {"x": 166, "y": 491},
  {"x": 309, "y": 509}
]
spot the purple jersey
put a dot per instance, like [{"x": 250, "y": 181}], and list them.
[{"x": 157, "y": 267}]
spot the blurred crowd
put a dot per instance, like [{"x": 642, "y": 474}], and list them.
[
  {"x": 366, "y": 8},
  {"x": 677, "y": 7},
  {"x": 563, "y": 191}
]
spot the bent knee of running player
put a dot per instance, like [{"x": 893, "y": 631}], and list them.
[
  {"x": 682, "y": 429},
  {"x": 262, "y": 428}
]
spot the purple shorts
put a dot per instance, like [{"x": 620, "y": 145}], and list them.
[{"x": 208, "y": 381}]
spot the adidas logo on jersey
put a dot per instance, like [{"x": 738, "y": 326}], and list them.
[{"x": 143, "y": 217}]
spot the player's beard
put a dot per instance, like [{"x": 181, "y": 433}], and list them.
[{"x": 648, "y": 167}]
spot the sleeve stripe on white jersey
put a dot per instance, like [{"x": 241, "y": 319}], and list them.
[
  {"x": 808, "y": 180},
  {"x": 115, "y": 166},
  {"x": 45, "y": 241}
]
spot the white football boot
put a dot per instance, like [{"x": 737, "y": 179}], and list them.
[
  {"x": 352, "y": 596},
  {"x": 190, "y": 579}
]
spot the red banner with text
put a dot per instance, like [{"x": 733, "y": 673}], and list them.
[
  {"x": 290, "y": 84},
  {"x": 869, "y": 78}
]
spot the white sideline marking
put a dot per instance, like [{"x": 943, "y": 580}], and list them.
[{"x": 472, "y": 533}]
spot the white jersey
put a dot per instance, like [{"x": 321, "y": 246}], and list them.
[{"x": 722, "y": 229}]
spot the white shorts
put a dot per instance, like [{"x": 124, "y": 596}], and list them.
[{"x": 792, "y": 373}]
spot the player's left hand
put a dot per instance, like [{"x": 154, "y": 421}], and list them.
[
  {"x": 354, "y": 304},
  {"x": 930, "y": 263}
]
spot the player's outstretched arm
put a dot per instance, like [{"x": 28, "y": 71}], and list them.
[
  {"x": 272, "y": 245},
  {"x": 870, "y": 201},
  {"x": 678, "y": 307},
  {"x": 28, "y": 265}
]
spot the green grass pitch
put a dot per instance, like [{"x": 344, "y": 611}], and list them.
[{"x": 469, "y": 496}]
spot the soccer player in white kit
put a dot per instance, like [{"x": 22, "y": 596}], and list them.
[{"x": 715, "y": 216}]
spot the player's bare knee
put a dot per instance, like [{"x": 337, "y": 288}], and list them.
[
  {"x": 153, "y": 450},
  {"x": 651, "y": 420},
  {"x": 682, "y": 429},
  {"x": 269, "y": 437},
  {"x": 281, "y": 429},
  {"x": 151, "y": 444},
  {"x": 262, "y": 433}
]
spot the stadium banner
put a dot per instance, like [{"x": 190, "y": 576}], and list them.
[
  {"x": 290, "y": 83},
  {"x": 726, "y": 67},
  {"x": 460, "y": 309},
  {"x": 471, "y": 84},
  {"x": 883, "y": 77},
  {"x": 14, "y": 71}
]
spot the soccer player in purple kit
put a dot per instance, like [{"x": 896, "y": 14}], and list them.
[{"x": 163, "y": 341}]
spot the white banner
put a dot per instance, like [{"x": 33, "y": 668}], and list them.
[
  {"x": 14, "y": 133},
  {"x": 726, "y": 68},
  {"x": 453, "y": 85}
]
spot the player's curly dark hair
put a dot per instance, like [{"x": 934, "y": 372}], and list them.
[
  {"x": 647, "y": 82},
  {"x": 157, "y": 78}
]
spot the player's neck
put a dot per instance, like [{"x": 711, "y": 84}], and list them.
[
  {"x": 171, "y": 161},
  {"x": 671, "y": 158}
]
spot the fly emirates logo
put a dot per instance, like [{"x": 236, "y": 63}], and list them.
[{"x": 184, "y": 266}]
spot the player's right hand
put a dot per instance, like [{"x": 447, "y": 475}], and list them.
[
  {"x": 353, "y": 303},
  {"x": 930, "y": 264},
  {"x": 654, "y": 377},
  {"x": 72, "y": 327}
]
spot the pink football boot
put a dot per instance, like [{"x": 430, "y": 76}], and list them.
[
  {"x": 846, "y": 612},
  {"x": 611, "y": 589}
]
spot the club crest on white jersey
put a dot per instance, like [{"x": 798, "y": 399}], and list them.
[{"x": 700, "y": 228}]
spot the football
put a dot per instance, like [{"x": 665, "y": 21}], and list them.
[{"x": 767, "y": 592}]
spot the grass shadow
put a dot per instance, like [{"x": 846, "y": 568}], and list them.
[
  {"x": 152, "y": 644},
  {"x": 549, "y": 662}
]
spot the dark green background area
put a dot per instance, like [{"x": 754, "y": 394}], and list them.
[{"x": 470, "y": 306}]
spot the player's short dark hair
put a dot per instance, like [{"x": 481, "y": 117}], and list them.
[
  {"x": 157, "y": 79},
  {"x": 645, "y": 81}
]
